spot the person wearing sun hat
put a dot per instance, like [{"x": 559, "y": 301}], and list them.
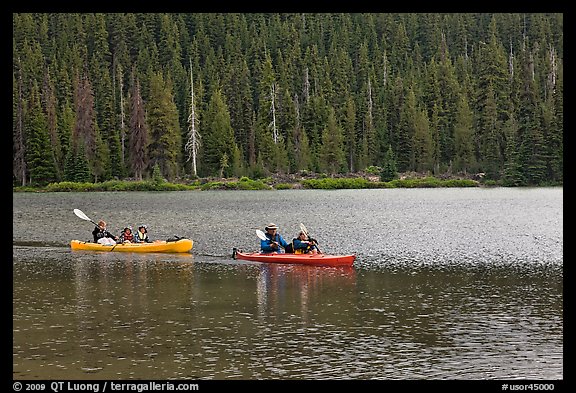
[{"x": 273, "y": 241}]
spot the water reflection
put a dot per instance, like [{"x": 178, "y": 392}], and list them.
[
  {"x": 277, "y": 284},
  {"x": 459, "y": 284},
  {"x": 157, "y": 316}
]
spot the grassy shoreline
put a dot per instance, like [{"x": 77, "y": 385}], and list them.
[{"x": 245, "y": 183}]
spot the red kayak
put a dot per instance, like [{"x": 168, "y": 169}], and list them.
[{"x": 303, "y": 259}]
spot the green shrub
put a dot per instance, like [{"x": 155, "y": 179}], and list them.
[
  {"x": 246, "y": 183},
  {"x": 251, "y": 185},
  {"x": 431, "y": 182},
  {"x": 373, "y": 170},
  {"x": 335, "y": 184},
  {"x": 69, "y": 186},
  {"x": 157, "y": 175},
  {"x": 213, "y": 185}
]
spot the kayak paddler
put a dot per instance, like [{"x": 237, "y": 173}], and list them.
[
  {"x": 274, "y": 241},
  {"x": 102, "y": 236},
  {"x": 304, "y": 245}
]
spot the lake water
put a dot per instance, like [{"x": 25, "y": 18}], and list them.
[{"x": 448, "y": 284}]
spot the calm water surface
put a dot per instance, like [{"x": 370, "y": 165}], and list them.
[{"x": 448, "y": 284}]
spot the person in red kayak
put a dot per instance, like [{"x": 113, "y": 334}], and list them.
[
  {"x": 303, "y": 245},
  {"x": 274, "y": 242}
]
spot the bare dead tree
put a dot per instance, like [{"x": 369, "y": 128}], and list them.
[
  {"x": 553, "y": 70},
  {"x": 193, "y": 142},
  {"x": 511, "y": 61},
  {"x": 370, "y": 102},
  {"x": 385, "y": 66},
  {"x": 306, "y": 89},
  {"x": 273, "y": 111}
]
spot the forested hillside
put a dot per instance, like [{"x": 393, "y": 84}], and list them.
[{"x": 104, "y": 96}]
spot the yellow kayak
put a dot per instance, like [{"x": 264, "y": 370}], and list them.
[{"x": 182, "y": 245}]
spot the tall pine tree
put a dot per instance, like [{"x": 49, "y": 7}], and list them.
[{"x": 164, "y": 127}]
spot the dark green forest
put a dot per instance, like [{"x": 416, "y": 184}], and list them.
[{"x": 117, "y": 96}]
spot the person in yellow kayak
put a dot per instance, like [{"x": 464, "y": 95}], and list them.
[
  {"x": 142, "y": 235},
  {"x": 273, "y": 241},
  {"x": 102, "y": 236},
  {"x": 126, "y": 236}
]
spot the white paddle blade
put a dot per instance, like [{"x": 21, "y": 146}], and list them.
[
  {"x": 261, "y": 234},
  {"x": 303, "y": 229},
  {"x": 81, "y": 215}
]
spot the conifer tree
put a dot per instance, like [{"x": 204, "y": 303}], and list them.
[
  {"x": 350, "y": 134},
  {"x": 238, "y": 93},
  {"x": 464, "y": 150},
  {"x": 118, "y": 140},
  {"x": 332, "y": 158},
  {"x": 531, "y": 139},
  {"x": 269, "y": 140},
  {"x": 19, "y": 165},
  {"x": 423, "y": 151},
  {"x": 389, "y": 171},
  {"x": 298, "y": 144},
  {"x": 493, "y": 92},
  {"x": 405, "y": 133},
  {"x": 66, "y": 121},
  {"x": 138, "y": 133},
  {"x": 38, "y": 152},
  {"x": 552, "y": 118},
  {"x": 488, "y": 136},
  {"x": 164, "y": 128},
  {"x": 76, "y": 169},
  {"x": 84, "y": 133},
  {"x": 448, "y": 89},
  {"x": 512, "y": 174},
  {"x": 49, "y": 106},
  {"x": 218, "y": 140}
]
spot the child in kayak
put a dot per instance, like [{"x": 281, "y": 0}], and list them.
[
  {"x": 126, "y": 236},
  {"x": 102, "y": 236},
  {"x": 273, "y": 240},
  {"x": 142, "y": 235},
  {"x": 303, "y": 245}
]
